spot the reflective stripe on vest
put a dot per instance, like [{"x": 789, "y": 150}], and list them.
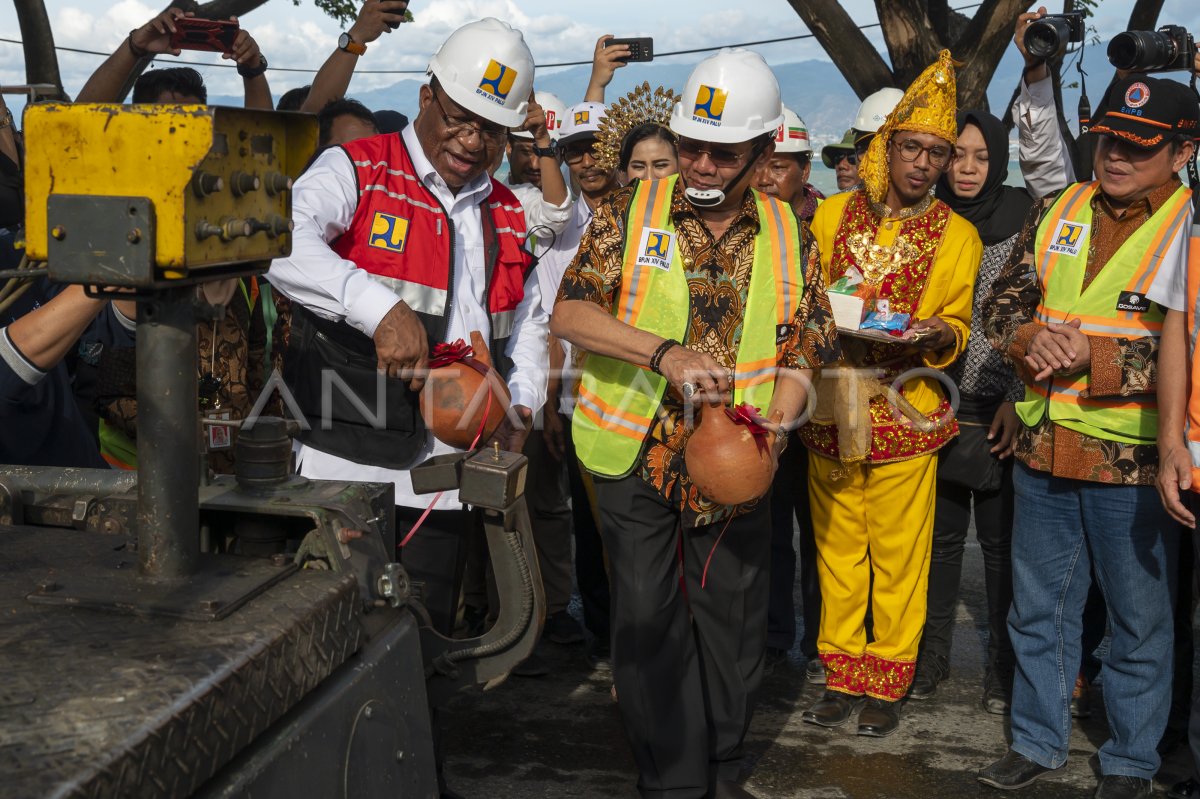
[
  {"x": 1192, "y": 419},
  {"x": 1063, "y": 242},
  {"x": 618, "y": 401}
]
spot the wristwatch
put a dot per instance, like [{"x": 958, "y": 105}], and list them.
[
  {"x": 346, "y": 42},
  {"x": 255, "y": 71},
  {"x": 545, "y": 152}
]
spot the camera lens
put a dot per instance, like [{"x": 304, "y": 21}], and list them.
[
  {"x": 1141, "y": 50},
  {"x": 1047, "y": 38}
]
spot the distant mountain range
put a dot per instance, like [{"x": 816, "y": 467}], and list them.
[{"x": 814, "y": 89}]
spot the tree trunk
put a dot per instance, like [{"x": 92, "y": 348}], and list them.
[
  {"x": 1144, "y": 16},
  {"x": 911, "y": 41},
  {"x": 852, "y": 53},
  {"x": 224, "y": 9},
  {"x": 41, "y": 59},
  {"x": 981, "y": 47}
]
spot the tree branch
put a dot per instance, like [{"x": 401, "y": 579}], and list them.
[
  {"x": 865, "y": 71},
  {"x": 981, "y": 47},
  {"x": 41, "y": 59},
  {"x": 224, "y": 9},
  {"x": 1144, "y": 16},
  {"x": 911, "y": 41}
]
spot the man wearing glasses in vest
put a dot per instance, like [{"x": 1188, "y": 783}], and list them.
[
  {"x": 1075, "y": 311},
  {"x": 678, "y": 284}
]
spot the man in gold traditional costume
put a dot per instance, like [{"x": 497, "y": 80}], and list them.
[{"x": 878, "y": 424}]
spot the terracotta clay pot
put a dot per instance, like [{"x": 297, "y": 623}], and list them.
[
  {"x": 725, "y": 461},
  {"x": 463, "y": 396}
]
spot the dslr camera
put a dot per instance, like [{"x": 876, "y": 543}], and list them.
[
  {"x": 1048, "y": 37},
  {"x": 1167, "y": 49}
]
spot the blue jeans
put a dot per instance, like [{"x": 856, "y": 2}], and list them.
[{"x": 1062, "y": 529}]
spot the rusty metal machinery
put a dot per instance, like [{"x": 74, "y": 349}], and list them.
[{"x": 247, "y": 635}]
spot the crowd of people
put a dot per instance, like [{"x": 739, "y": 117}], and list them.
[{"x": 657, "y": 283}]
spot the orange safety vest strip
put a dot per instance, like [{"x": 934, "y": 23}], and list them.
[{"x": 650, "y": 205}]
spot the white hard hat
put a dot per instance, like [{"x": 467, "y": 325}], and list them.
[
  {"x": 730, "y": 97},
  {"x": 581, "y": 119},
  {"x": 875, "y": 109},
  {"x": 555, "y": 112},
  {"x": 486, "y": 68},
  {"x": 792, "y": 136}
]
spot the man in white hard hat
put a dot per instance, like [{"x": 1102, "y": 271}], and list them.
[
  {"x": 534, "y": 172},
  {"x": 872, "y": 113},
  {"x": 785, "y": 174},
  {"x": 402, "y": 243},
  {"x": 678, "y": 284}
]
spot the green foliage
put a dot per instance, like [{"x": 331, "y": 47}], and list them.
[{"x": 346, "y": 11}]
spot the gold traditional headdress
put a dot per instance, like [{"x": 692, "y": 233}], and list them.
[
  {"x": 641, "y": 105},
  {"x": 928, "y": 106}
]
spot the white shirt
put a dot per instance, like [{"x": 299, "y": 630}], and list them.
[
  {"x": 539, "y": 213},
  {"x": 553, "y": 266},
  {"x": 1045, "y": 158},
  {"x": 323, "y": 205}
]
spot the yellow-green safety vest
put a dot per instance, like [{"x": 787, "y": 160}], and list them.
[
  {"x": 1114, "y": 305},
  {"x": 617, "y": 400}
]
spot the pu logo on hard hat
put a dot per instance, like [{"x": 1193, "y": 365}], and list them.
[
  {"x": 582, "y": 117},
  {"x": 1068, "y": 238},
  {"x": 551, "y": 121},
  {"x": 497, "y": 82},
  {"x": 710, "y": 105},
  {"x": 1137, "y": 95},
  {"x": 388, "y": 232},
  {"x": 655, "y": 248}
]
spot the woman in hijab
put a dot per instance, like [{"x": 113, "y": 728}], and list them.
[{"x": 976, "y": 468}]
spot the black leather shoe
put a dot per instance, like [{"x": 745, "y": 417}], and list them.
[
  {"x": 561, "y": 628},
  {"x": 814, "y": 672},
  {"x": 833, "y": 709},
  {"x": 1012, "y": 771},
  {"x": 1188, "y": 789},
  {"x": 728, "y": 789},
  {"x": 879, "y": 718},
  {"x": 1120, "y": 786},
  {"x": 931, "y": 670}
]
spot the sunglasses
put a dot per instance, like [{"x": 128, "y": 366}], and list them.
[
  {"x": 852, "y": 158},
  {"x": 721, "y": 157}
]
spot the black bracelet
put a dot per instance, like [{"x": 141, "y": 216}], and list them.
[
  {"x": 663, "y": 349},
  {"x": 135, "y": 50},
  {"x": 253, "y": 72}
]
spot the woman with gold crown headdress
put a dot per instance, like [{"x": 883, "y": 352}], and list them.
[
  {"x": 635, "y": 137},
  {"x": 897, "y": 256}
]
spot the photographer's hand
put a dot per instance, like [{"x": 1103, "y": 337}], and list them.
[{"x": 1035, "y": 68}]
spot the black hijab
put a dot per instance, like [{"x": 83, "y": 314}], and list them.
[{"x": 998, "y": 211}]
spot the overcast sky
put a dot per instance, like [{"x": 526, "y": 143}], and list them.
[{"x": 556, "y": 30}]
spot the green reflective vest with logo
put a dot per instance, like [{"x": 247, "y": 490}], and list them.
[
  {"x": 1114, "y": 305},
  {"x": 618, "y": 401}
]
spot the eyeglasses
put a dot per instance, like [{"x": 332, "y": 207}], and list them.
[
  {"x": 910, "y": 151},
  {"x": 851, "y": 158},
  {"x": 720, "y": 156},
  {"x": 574, "y": 152},
  {"x": 459, "y": 128}
]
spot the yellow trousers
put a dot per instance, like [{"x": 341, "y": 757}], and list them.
[{"x": 876, "y": 521}]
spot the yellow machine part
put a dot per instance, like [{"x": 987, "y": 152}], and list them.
[{"x": 218, "y": 178}]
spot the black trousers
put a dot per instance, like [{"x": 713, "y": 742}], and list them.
[
  {"x": 686, "y": 682},
  {"x": 789, "y": 501},
  {"x": 591, "y": 577},
  {"x": 435, "y": 557},
  {"x": 993, "y": 529}
]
